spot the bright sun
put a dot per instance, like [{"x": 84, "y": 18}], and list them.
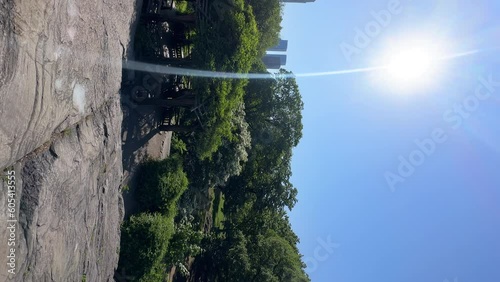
[{"x": 411, "y": 65}]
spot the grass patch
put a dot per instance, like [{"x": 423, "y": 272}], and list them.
[{"x": 218, "y": 210}]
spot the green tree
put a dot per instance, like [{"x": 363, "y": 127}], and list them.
[
  {"x": 263, "y": 257},
  {"x": 230, "y": 46},
  {"x": 161, "y": 183},
  {"x": 268, "y": 15},
  {"x": 274, "y": 114},
  {"x": 227, "y": 161},
  {"x": 277, "y": 260},
  {"x": 144, "y": 241},
  {"x": 236, "y": 265},
  {"x": 184, "y": 243},
  {"x": 276, "y": 104}
]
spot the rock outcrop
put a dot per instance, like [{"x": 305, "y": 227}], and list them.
[
  {"x": 70, "y": 204},
  {"x": 60, "y": 129},
  {"x": 60, "y": 61}
]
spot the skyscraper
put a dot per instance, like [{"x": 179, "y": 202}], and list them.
[
  {"x": 281, "y": 47},
  {"x": 274, "y": 61}
]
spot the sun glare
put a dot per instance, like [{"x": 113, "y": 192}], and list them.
[{"x": 410, "y": 65}]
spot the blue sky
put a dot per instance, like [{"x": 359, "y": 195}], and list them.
[{"x": 442, "y": 222}]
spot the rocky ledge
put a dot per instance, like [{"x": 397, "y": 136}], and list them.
[{"x": 60, "y": 123}]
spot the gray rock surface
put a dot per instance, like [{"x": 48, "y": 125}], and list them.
[
  {"x": 59, "y": 61},
  {"x": 60, "y": 74},
  {"x": 70, "y": 204}
]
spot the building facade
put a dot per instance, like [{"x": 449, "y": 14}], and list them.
[
  {"x": 274, "y": 61},
  {"x": 281, "y": 47}
]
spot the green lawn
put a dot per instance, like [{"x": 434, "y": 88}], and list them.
[{"x": 218, "y": 207}]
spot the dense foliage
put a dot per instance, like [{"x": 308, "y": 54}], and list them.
[
  {"x": 161, "y": 183},
  {"x": 243, "y": 151},
  {"x": 145, "y": 237},
  {"x": 257, "y": 242},
  {"x": 144, "y": 244},
  {"x": 231, "y": 46},
  {"x": 268, "y": 15},
  {"x": 184, "y": 243}
]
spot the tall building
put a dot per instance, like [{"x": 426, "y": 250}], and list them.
[
  {"x": 297, "y": 1},
  {"x": 281, "y": 47},
  {"x": 274, "y": 61}
]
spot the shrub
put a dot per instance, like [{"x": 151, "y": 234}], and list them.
[
  {"x": 183, "y": 7},
  {"x": 161, "y": 184},
  {"x": 144, "y": 244},
  {"x": 178, "y": 146},
  {"x": 185, "y": 242}
]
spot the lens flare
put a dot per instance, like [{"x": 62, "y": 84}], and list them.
[
  {"x": 413, "y": 63},
  {"x": 162, "y": 69}
]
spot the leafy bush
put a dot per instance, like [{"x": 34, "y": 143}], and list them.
[
  {"x": 144, "y": 244},
  {"x": 161, "y": 183},
  {"x": 177, "y": 145},
  {"x": 184, "y": 243},
  {"x": 183, "y": 7},
  {"x": 157, "y": 273}
]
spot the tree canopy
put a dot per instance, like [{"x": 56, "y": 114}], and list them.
[
  {"x": 244, "y": 150},
  {"x": 268, "y": 15},
  {"x": 274, "y": 114},
  {"x": 230, "y": 46},
  {"x": 257, "y": 242}
]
